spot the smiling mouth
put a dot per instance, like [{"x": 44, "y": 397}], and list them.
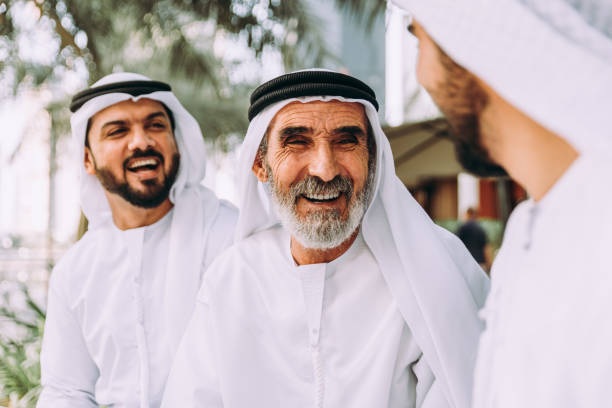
[
  {"x": 143, "y": 164},
  {"x": 321, "y": 198}
]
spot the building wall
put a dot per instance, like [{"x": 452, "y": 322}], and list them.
[
  {"x": 444, "y": 202},
  {"x": 438, "y": 197}
]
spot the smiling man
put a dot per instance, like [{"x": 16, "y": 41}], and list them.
[
  {"x": 340, "y": 291},
  {"x": 119, "y": 300},
  {"x": 137, "y": 186}
]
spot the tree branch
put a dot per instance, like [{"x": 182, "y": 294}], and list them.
[{"x": 67, "y": 39}]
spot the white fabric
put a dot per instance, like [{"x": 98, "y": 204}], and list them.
[
  {"x": 105, "y": 341},
  {"x": 268, "y": 333},
  {"x": 187, "y": 133},
  {"x": 436, "y": 284},
  {"x": 542, "y": 56},
  {"x": 185, "y": 194},
  {"x": 199, "y": 220},
  {"x": 548, "y": 336}
]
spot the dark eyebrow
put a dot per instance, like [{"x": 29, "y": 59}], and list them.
[
  {"x": 124, "y": 122},
  {"x": 353, "y": 130},
  {"x": 114, "y": 122},
  {"x": 294, "y": 130},
  {"x": 156, "y": 114}
]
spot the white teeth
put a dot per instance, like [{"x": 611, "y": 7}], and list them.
[
  {"x": 322, "y": 196},
  {"x": 143, "y": 162}
]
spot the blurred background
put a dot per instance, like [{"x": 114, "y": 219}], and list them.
[{"x": 213, "y": 53}]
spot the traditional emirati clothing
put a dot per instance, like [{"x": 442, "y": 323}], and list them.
[
  {"x": 548, "y": 326},
  {"x": 390, "y": 323},
  {"x": 548, "y": 337},
  {"x": 119, "y": 300}
]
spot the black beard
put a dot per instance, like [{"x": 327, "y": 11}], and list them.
[
  {"x": 471, "y": 155},
  {"x": 155, "y": 193},
  {"x": 462, "y": 101}
]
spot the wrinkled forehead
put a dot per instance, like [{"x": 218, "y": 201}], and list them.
[{"x": 319, "y": 116}]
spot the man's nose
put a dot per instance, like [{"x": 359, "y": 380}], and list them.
[
  {"x": 140, "y": 139},
  {"x": 323, "y": 163}
]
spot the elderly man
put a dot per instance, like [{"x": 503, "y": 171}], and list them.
[
  {"x": 119, "y": 300},
  {"x": 340, "y": 291},
  {"x": 527, "y": 85}
]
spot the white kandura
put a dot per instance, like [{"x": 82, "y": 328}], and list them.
[
  {"x": 424, "y": 271},
  {"x": 548, "y": 332},
  {"x": 119, "y": 301}
]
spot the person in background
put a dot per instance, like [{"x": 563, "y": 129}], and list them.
[{"x": 474, "y": 237}]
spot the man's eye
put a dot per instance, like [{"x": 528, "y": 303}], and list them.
[
  {"x": 117, "y": 132},
  {"x": 158, "y": 125},
  {"x": 298, "y": 142},
  {"x": 348, "y": 140}
]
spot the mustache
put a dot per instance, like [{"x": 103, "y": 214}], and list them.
[
  {"x": 314, "y": 185},
  {"x": 144, "y": 153}
]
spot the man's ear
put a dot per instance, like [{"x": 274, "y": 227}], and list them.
[
  {"x": 258, "y": 168},
  {"x": 89, "y": 162}
]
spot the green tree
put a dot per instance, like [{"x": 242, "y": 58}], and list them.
[
  {"x": 19, "y": 367},
  {"x": 169, "y": 39}
]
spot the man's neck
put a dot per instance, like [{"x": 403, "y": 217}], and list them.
[
  {"x": 532, "y": 155},
  {"x": 307, "y": 256},
  {"x": 127, "y": 216}
]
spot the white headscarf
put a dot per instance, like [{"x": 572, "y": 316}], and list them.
[
  {"x": 186, "y": 234},
  {"x": 552, "y": 59},
  {"x": 187, "y": 133},
  {"x": 437, "y": 285}
]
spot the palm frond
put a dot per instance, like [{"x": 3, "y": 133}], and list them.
[
  {"x": 19, "y": 365},
  {"x": 363, "y": 10}
]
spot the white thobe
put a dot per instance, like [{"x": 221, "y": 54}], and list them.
[
  {"x": 105, "y": 336},
  {"x": 267, "y": 333},
  {"x": 548, "y": 337}
]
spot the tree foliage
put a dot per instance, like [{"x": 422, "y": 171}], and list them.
[
  {"x": 365, "y": 10},
  {"x": 173, "y": 40},
  {"x": 19, "y": 367}
]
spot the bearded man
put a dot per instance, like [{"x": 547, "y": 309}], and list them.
[
  {"x": 120, "y": 298},
  {"x": 340, "y": 291},
  {"x": 527, "y": 84}
]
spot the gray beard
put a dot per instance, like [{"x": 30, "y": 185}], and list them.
[{"x": 323, "y": 229}]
